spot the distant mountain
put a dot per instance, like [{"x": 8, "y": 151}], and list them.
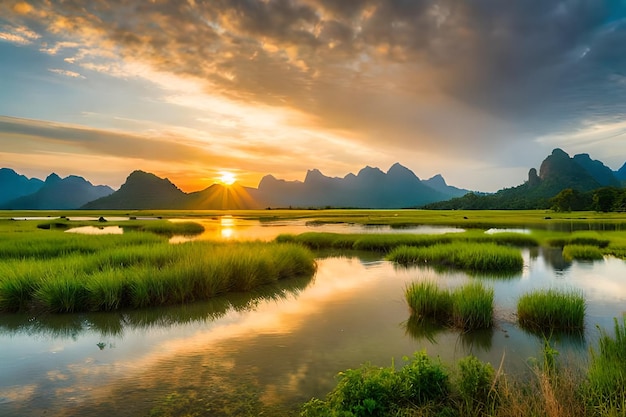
[
  {"x": 142, "y": 190},
  {"x": 620, "y": 174},
  {"x": 600, "y": 172},
  {"x": 557, "y": 172},
  {"x": 438, "y": 183},
  {"x": 220, "y": 197},
  {"x": 370, "y": 188},
  {"x": 14, "y": 185},
  {"x": 58, "y": 193}
]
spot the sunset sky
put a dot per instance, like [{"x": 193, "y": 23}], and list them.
[{"x": 477, "y": 90}]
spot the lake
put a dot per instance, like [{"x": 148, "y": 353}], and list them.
[{"x": 269, "y": 351}]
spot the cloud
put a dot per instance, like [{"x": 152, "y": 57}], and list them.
[
  {"x": 464, "y": 79},
  {"x": 67, "y": 73},
  {"x": 20, "y": 35}
]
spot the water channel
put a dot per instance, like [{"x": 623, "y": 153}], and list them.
[{"x": 269, "y": 351}]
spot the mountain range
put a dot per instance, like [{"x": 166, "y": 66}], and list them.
[
  {"x": 557, "y": 172},
  {"x": 370, "y": 188},
  {"x": 399, "y": 187},
  {"x": 20, "y": 193}
]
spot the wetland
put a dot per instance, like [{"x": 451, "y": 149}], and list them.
[{"x": 269, "y": 345}]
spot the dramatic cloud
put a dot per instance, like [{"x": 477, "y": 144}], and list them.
[{"x": 436, "y": 80}]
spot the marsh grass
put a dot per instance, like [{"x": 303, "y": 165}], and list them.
[
  {"x": 51, "y": 244},
  {"x": 159, "y": 227},
  {"x": 385, "y": 243},
  {"x": 146, "y": 275},
  {"x": 546, "y": 311},
  {"x": 427, "y": 300},
  {"x": 488, "y": 258},
  {"x": 468, "y": 308},
  {"x": 582, "y": 252},
  {"x": 472, "y": 307},
  {"x": 606, "y": 378}
]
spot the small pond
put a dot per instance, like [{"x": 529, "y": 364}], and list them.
[{"x": 271, "y": 350}]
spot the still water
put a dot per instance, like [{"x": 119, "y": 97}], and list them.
[{"x": 268, "y": 352}]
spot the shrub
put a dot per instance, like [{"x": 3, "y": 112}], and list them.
[{"x": 476, "y": 385}]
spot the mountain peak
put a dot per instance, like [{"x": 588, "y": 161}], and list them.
[
  {"x": 398, "y": 170},
  {"x": 52, "y": 178},
  {"x": 438, "y": 179},
  {"x": 314, "y": 175},
  {"x": 558, "y": 152},
  {"x": 368, "y": 171}
]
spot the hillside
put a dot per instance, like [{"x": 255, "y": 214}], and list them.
[
  {"x": 557, "y": 172},
  {"x": 14, "y": 185},
  {"x": 58, "y": 193}
]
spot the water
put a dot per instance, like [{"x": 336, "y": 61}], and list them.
[
  {"x": 232, "y": 228},
  {"x": 271, "y": 350},
  {"x": 93, "y": 230}
]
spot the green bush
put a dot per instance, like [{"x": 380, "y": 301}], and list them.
[
  {"x": 476, "y": 385},
  {"x": 373, "y": 391}
]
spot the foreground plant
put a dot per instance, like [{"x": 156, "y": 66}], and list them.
[
  {"x": 606, "y": 379},
  {"x": 373, "y": 391}
]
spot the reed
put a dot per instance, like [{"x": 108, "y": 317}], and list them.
[
  {"x": 488, "y": 258},
  {"x": 427, "y": 301},
  {"x": 582, "y": 253},
  {"x": 605, "y": 386},
  {"x": 550, "y": 310},
  {"x": 472, "y": 307},
  {"x": 148, "y": 275},
  {"x": 468, "y": 308}
]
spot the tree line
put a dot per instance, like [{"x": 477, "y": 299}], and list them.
[{"x": 604, "y": 199}]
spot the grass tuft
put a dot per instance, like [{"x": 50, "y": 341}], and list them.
[
  {"x": 550, "y": 310},
  {"x": 582, "y": 253},
  {"x": 487, "y": 258},
  {"x": 469, "y": 307}
]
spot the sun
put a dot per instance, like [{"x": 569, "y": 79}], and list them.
[{"x": 227, "y": 178}]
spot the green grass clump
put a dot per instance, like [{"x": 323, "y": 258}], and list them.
[
  {"x": 488, "y": 258},
  {"x": 551, "y": 310},
  {"x": 606, "y": 378},
  {"x": 469, "y": 307},
  {"x": 385, "y": 243},
  {"x": 146, "y": 275},
  {"x": 582, "y": 253},
  {"x": 167, "y": 228},
  {"x": 426, "y": 300},
  {"x": 472, "y": 307},
  {"x": 373, "y": 391}
]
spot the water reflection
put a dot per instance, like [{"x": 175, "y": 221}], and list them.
[
  {"x": 228, "y": 227},
  {"x": 269, "y": 352},
  {"x": 71, "y": 326},
  {"x": 93, "y": 230}
]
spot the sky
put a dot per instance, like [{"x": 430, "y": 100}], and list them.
[{"x": 479, "y": 91}]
